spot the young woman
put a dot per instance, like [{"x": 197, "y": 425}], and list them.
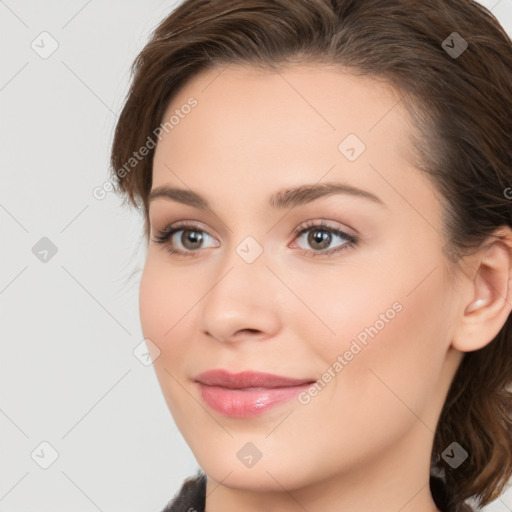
[{"x": 326, "y": 187}]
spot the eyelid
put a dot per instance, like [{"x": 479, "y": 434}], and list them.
[
  {"x": 319, "y": 224},
  {"x": 193, "y": 225}
]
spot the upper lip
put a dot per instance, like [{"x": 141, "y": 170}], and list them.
[{"x": 247, "y": 379}]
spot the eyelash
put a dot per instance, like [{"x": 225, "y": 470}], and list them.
[{"x": 164, "y": 235}]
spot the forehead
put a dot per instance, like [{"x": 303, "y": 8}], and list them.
[
  {"x": 313, "y": 101},
  {"x": 277, "y": 129}
]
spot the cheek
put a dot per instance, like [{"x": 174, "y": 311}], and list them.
[
  {"x": 164, "y": 301},
  {"x": 154, "y": 304},
  {"x": 166, "y": 309},
  {"x": 382, "y": 335}
]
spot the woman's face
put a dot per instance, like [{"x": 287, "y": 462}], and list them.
[{"x": 368, "y": 313}]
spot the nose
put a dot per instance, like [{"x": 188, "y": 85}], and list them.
[{"x": 243, "y": 301}]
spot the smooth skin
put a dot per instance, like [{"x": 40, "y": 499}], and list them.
[{"x": 364, "y": 441}]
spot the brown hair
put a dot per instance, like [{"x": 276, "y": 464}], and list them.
[{"x": 461, "y": 104}]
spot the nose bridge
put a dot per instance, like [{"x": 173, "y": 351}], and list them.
[{"x": 246, "y": 262}]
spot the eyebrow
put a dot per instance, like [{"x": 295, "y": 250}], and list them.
[{"x": 282, "y": 199}]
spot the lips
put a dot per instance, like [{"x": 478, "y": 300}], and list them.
[
  {"x": 247, "y": 379},
  {"x": 247, "y": 393}
]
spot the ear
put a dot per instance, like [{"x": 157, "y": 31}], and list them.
[{"x": 489, "y": 287}]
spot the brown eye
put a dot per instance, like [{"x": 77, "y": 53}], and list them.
[
  {"x": 190, "y": 239},
  {"x": 321, "y": 236},
  {"x": 183, "y": 239},
  {"x": 319, "y": 239}
]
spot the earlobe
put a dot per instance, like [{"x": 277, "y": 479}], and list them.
[{"x": 491, "y": 294}]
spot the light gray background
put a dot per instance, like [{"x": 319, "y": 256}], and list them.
[{"x": 68, "y": 373}]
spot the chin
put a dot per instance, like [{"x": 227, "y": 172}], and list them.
[{"x": 267, "y": 475}]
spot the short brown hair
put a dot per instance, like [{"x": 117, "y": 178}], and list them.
[{"x": 461, "y": 104}]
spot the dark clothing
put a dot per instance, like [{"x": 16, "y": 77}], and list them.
[{"x": 192, "y": 495}]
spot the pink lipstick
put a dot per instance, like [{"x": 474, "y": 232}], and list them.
[{"x": 246, "y": 394}]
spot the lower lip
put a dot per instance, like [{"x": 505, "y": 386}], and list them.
[{"x": 240, "y": 403}]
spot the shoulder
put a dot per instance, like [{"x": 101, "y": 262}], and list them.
[{"x": 191, "y": 496}]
